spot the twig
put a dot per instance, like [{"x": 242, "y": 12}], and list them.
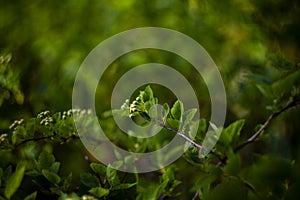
[
  {"x": 181, "y": 134},
  {"x": 266, "y": 124},
  {"x": 64, "y": 139},
  {"x": 262, "y": 128},
  {"x": 185, "y": 137}
]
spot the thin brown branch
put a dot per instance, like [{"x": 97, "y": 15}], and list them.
[
  {"x": 266, "y": 124},
  {"x": 181, "y": 134},
  {"x": 254, "y": 137},
  {"x": 64, "y": 139}
]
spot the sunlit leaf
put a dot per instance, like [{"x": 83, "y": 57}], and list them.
[
  {"x": 14, "y": 181},
  {"x": 177, "y": 110},
  {"x": 99, "y": 192}
]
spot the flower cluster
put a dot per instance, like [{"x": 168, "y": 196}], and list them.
[
  {"x": 71, "y": 112},
  {"x": 16, "y": 123},
  {"x": 46, "y": 118},
  {"x": 2, "y": 137},
  {"x": 134, "y": 105}
]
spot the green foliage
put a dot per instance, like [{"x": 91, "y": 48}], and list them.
[
  {"x": 9, "y": 81},
  {"x": 14, "y": 181},
  {"x": 255, "y": 45},
  {"x": 222, "y": 173}
]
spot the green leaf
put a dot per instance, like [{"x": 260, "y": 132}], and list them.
[
  {"x": 177, "y": 110},
  {"x": 45, "y": 160},
  {"x": 55, "y": 190},
  {"x": 233, "y": 164},
  {"x": 67, "y": 182},
  {"x": 168, "y": 181},
  {"x": 189, "y": 114},
  {"x": 188, "y": 118},
  {"x": 173, "y": 123},
  {"x": 148, "y": 190},
  {"x": 50, "y": 176},
  {"x": 165, "y": 111},
  {"x": 228, "y": 189},
  {"x": 123, "y": 186},
  {"x": 266, "y": 90},
  {"x": 32, "y": 196},
  {"x": 112, "y": 176},
  {"x": 89, "y": 180},
  {"x": 99, "y": 192},
  {"x": 72, "y": 196},
  {"x": 7, "y": 173},
  {"x": 231, "y": 134},
  {"x": 14, "y": 181},
  {"x": 204, "y": 182},
  {"x": 284, "y": 85},
  {"x": 210, "y": 140},
  {"x": 54, "y": 167},
  {"x": 98, "y": 168},
  {"x": 148, "y": 94}
]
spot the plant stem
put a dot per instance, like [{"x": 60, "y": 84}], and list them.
[
  {"x": 181, "y": 134},
  {"x": 266, "y": 124}
]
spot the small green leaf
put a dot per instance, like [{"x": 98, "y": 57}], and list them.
[
  {"x": 148, "y": 190},
  {"x": 99, "y": 192},
  {"x": 112, "y": 176},
  {"x": 14, "y": 181},
  {"x": 165, "y": 111},
  {"x": 177, "y": 110},
  {"x": 54, "y": 167},
  {"x": 7, "y": 173},
  {"x": 55, "y": 190},
  {"x": 72, "y": 196},
  {"x": 189, "y": 114},
  {"x": 233, "y": 164},
  {"x": 98, "y": 168},
  {"x": 173, "y": 123},
  {"x": 231, "y": 133},
  {"x": 228, "y": 189},
  {"x": 32, "y": 196},
  {"x": 67, "y": 182},
  {"x": 45, "y": 160},
  {"x": 123, "y": 186},
  {"x": 188, "y": 118},
  {"x": 89, "y": 180},
  {"x": 50, "y": 176},
  {"x": 148, "y": 95}
]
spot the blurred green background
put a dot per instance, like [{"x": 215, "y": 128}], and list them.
[{"x": 48, "y": 40}]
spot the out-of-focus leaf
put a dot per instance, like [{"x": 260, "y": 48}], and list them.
[
  {"x": 32, "y": 196},
  {"x": 67, "y": 182},
  {"x": 89, "y": 180},
  {"x": 45, "y": 160},
  {"x": 98, "y": 168},
  {"x": 123, "y": 186},
  {"x": 233, "y": 164},
  {"x": 228, "y": 189},
  {"x": 112, "y": 176},
  {"x": 50, "y": 176},
  {"x": 54, "y": 167},
  {"x": 99, "y": 192},
  {"x": 14, "y": 181},
  {"x": 72, "y": 196}
]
